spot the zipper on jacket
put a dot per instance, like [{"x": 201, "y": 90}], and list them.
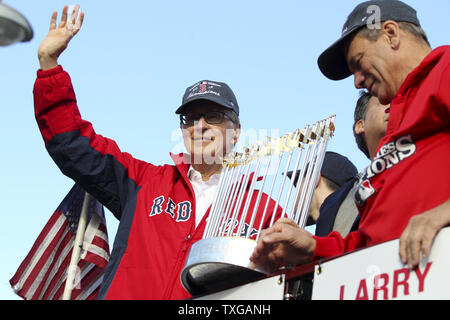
[
  {"x": 178, "y": 268},
  {"x": 186, "y": 244}
]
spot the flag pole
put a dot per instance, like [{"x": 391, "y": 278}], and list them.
[{"x": 77, "y": 246}]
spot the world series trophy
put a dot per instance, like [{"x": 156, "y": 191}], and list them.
[{"x": 220, "y": 260}]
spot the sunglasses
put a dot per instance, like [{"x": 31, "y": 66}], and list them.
[{"x": 211, "y": 117}]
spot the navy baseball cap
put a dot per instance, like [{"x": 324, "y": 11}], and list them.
[
  {"x": 335, "y": 167},
  {"x": 332, "y": 62},
  {"x": 218, "y": 92}
]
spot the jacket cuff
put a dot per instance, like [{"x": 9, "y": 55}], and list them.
[
  {"x": 50, "y": 72},
  {"x": 325, "y": 247}
]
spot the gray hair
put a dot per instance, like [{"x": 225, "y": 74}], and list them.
[{"x": 417, "y": 31}]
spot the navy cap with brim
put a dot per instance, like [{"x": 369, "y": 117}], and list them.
[
  {"x": 332, "y": 62},
  {"x": 219, "y": 101},
  {"x": 214, "y": 91},
  {"x": 336, "y": 168}
]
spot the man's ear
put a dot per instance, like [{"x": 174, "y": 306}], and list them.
[
  {"x": 391, "y": 31},
  {"x": 319, "y": 181},
  {"x": 359, "y": 126},
  {"x": 237, "y": 134}
]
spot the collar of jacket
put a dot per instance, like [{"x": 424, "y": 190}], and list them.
[
  {"x": 182, "y": 163},
  {"x": 420, "y": 72}
]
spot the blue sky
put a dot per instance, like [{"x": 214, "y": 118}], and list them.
[{"x": 130, "y": 65}]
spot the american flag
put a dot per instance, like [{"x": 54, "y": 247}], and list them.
[{"x": 42, "y": 275}]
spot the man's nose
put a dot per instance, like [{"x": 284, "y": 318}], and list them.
[
  {"x": 359, "y": 80},
  {"x": 200, "y": 123},
  {"x": 387, "y": 111}
]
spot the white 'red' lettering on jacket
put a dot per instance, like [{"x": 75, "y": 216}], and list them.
[{"x": 181, "y": 214}]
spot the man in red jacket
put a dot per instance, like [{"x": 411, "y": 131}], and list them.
[
  {"x": 162, "y": 209},
  {"x": 405, "y": 191}
]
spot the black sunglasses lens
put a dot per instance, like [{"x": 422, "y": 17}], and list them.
[
  {"x": 190, "y": 118},
  {"x": 214, "y": 117},
  {"x": 210, "y": 117}
]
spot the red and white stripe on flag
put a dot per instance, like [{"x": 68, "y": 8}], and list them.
[{"x": 42, "y": 275}]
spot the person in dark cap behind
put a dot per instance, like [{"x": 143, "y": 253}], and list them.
[
  {"x": 384, "y": 47},
  {"x": 162, "y": 209},
  {"x": 336, "y": 171}
]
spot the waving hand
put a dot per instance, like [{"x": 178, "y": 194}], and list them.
[{"x": 59, "y": 37}]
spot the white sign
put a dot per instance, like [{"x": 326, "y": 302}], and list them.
[
  {"x": 376, "y": 273},
  {"x": 266, "y": 289}
]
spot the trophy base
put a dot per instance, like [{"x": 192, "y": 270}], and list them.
[{"x": 216, "y": 264}]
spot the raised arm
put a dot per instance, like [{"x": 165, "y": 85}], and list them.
[{"x": 93, "y": 161}]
